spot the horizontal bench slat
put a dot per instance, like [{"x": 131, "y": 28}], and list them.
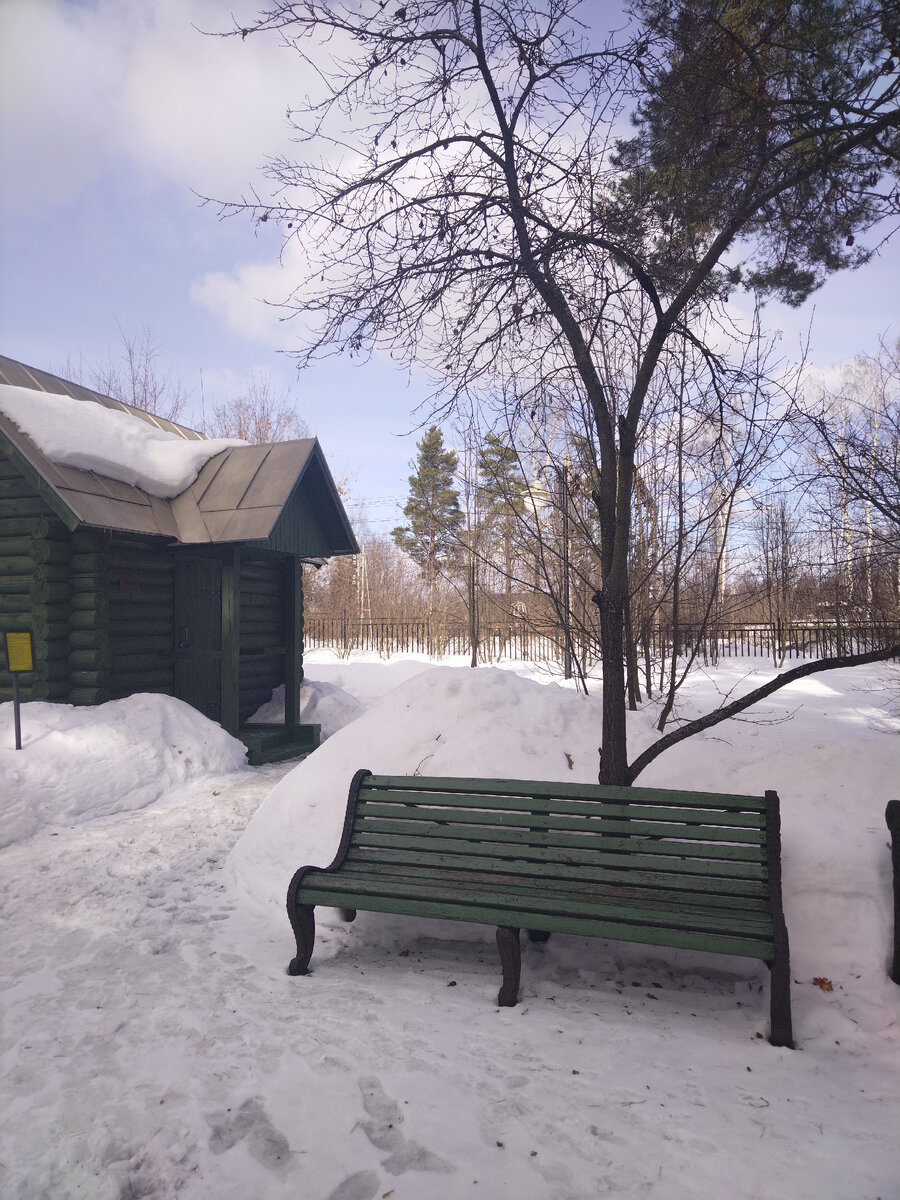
[
  {"x": 512, "y": 895},
  {"x": 615, "y": 931},
  {"x": 466, "y": 878},
  {"x": 509, "y": 835},
  {"x": 660, "y": 856},
  {"x": 427, "y": 858},
  {"x": 566, "y": 809},
  {"x": 576, "y": 791},
  {"x": 493, "y": 823},
  {"x": 622, "y": 924}
]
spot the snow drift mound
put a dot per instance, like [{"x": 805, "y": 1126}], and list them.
[
  {"x": 444, "y": 721},
  {"x": 77, "y": 764},
  {"x": 320, "y": 704}
]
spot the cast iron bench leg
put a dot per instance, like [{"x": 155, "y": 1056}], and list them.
[
  {"x": 303, "y": 923},
  {"x": 511, "y": 962},
  {"x": 782, "y": 1033},
  {"x": 892, "y": 816}
]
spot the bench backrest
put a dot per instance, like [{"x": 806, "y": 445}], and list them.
[{"x": 695, "y": 840}]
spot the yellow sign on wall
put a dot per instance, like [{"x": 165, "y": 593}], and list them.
[{"x": 19, "y": 652}]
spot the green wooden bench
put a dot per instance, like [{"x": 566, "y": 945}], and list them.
[{"x": 697, "y": 870}]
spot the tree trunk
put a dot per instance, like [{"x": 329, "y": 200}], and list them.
[
  {"x": 472, "y": 590},
  {"x": 614, "y": 749}
]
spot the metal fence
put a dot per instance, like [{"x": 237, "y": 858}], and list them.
[{"x": 534, "y": 643}]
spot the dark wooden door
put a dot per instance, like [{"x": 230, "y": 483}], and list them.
[{"x": 198, "y": 633}]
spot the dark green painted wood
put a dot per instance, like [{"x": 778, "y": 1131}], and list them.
[
  {"x": 293, "y": 632},
  {"x": 198, "y": 631},
  {"x": 377, "y": 804},
  {"x": 610, "y": 842},
  {"x": 493, "y": 822},
  {"x": 574, "y": 791},
  {"x": 90, "y": 639},
  {"x": 556, "y": 923},
  {"x": 631, "y": 906},
  {"x": 585, "y": 897},
  {"x": 658, "y": 857},
  {"x": 691, "y": 870},
  {"x": 542, "y": 865},
  {"x": 231, "y": 626},
  {"x": 703, "y": 813},
  {"x": 34, "y": 483}
]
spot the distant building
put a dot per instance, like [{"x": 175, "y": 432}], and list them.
[{"x": 199, "y": 596}]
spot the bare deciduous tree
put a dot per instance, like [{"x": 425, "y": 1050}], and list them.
[
  {"x": 261, "y": 414},
  {"x": 136, "y": 377},
  {"x": 487, "y": 222}
]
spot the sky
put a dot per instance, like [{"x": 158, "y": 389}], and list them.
[{"x": 115, "y": 117}]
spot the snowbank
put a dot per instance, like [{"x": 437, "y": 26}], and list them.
[
  {"x": 77, "y": 764},
  {"x": 321, "y": 703},
  {"x": 443, "y": 721},
  {"x": 81, "y": 433}
]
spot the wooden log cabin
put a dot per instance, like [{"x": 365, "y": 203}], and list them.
[{"x": 199, "y": 596}]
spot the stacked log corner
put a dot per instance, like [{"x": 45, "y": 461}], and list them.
[
  {"x": 100, "y": 604},
  {"x": 35, "y": 554},
  {"x": 88, "y": 628}
]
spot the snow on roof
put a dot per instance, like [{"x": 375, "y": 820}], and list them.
[{"x": 81, "y": 433}]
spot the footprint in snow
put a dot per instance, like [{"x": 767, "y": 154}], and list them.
[
  {"x": 364, "y": 1185},
  {"x": 383, "y": 1131},
  {"x": 250, "y": 1123}
]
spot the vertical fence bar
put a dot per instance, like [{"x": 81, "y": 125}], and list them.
[{"x": 532, "y": 643}]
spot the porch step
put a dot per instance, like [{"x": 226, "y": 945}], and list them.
[{"x": 275, "y": 743}]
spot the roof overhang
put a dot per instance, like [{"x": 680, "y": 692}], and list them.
[{"x": 251, "y": 493}]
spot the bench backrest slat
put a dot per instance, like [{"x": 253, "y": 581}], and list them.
[
  {"x": 595, "y": 842},
  {"x": 541, "y": 871},
  {"x": 562, "y": 791},
  {"x": 679, "y": 810},
  {"x": 658, "y": 856},
  {"x": 493, "y": 824}
]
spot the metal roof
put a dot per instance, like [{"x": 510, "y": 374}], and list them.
[
  {"x": 239, "y": 495},
  {"x": 19, "y": 375}
]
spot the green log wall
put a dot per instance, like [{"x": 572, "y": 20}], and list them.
[
  {"x": 99, "y": 603},
  {"x": 262, "y": 632},
  {"x": 34, "y": 585},
  {"x": 140, "y": 616}
]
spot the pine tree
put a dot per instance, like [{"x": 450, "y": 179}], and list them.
[
  {"x": 501, "y": 503},
  {"x": 431, "y": 537}
]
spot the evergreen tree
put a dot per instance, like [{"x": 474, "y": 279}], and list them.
[
  {"x": 431, "y": 537},
  {"x": 501, "y": 503}
]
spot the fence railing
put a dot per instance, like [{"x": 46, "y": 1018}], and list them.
[{"x": 529, "y": 642}]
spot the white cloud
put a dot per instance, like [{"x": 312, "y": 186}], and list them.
[
  {"x": 238, "y": 298},
  {"x": 207, "y": 110},
  {"x": 250, "y": 299},
  {"x": 57, "y": 90},
  {"x": 84, "y": 87}
]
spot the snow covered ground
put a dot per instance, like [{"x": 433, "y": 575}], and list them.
[{"x": 153, "y": 1046}]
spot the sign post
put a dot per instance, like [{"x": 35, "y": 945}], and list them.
[{"x": 19, "y": 661}]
